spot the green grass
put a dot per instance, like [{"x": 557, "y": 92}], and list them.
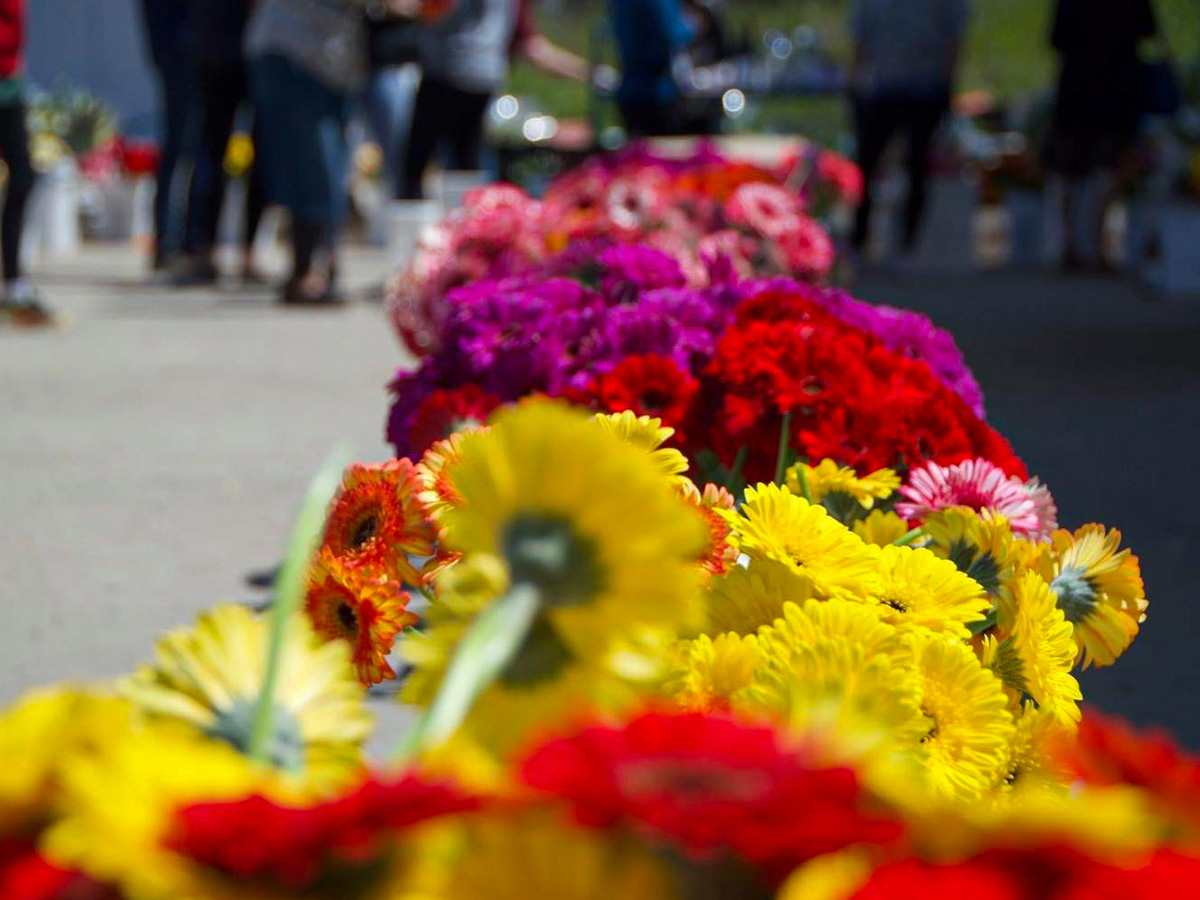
[{"x": 1007, "y": 53}]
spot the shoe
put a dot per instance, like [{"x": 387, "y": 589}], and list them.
[
  {"x": 30, "y": 313},
  {"x": 192, "y": 272},
  {"x": 264, "y": 579},
  {"x": 294, "y": 295}
]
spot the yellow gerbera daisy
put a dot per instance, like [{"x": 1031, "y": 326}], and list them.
[
  {"x": 588, "y": 521},
  {"x": 880, "y": 528},
  {"x": 748, "y": 597},
  {"x": 120, "y": 805},
  {"x": 1036, "y": 658},
  {"x": 833, "y": 665},
  {"x": 776, "y": 524},
  {"x": 511, "y": 711},
  {"x": 827, "y": 478},
  {"x": 712, "y": 671},
  {"x": 917, "y": 589},
  {"x": 40, "y": 734},
  {"x": 1099, "y": 589},
  {"x": 979, "y": 544},
  {"x": 210, "y": 676},
  {"x": 648, "y": 434},
  {"x": 969, "y": 727},
  {"x": 1031, "y": 764}
]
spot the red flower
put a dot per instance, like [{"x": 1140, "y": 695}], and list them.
[
  {"x": 27, "y": 875},
  {"x": 1108, "y": 751},
  {"x": 648, "y": 385},
  {"x": 1040, "y": 873},
  {"x": 445, "y": 411},
  {"x": 294, "y": 847},
  {"x": 708, "y": 784}
]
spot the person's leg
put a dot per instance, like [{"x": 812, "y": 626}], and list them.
[
  {"x": 873, "y": 129},
  {"x": 256, "y": 205},
  {"x": 171, "y": 188},
  {"x": 220, "y": 94},
  {"x": 14, "y": 145},
  {"x": 466, "y": 139},
  {"x": 427, "y": 127},
  {"x": 923, "y": 117}
]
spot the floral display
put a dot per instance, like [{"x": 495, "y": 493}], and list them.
[
  {"x": 709, "y": 214},
  {"x": 689, "y": 592}
]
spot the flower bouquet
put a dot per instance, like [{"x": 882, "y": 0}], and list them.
[
  {"x": 703, "y": 210},
  {"x": 724, "y": 591}
]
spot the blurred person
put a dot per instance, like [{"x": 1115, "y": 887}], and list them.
[
  {"x": 464, "y": 60},
  {"x": 1099, "y": 101},
  {"x": 20, "y": 303},
  {"x": 169, "y": 37},
  {"x": 307, "y": 62},
  {"x": 906, "y": 55},
  {"x": 650, "y": 34},
  {"x": 223, "y": 87}
]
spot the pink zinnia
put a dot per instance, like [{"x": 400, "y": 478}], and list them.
[{"x": 980, "y": 485}]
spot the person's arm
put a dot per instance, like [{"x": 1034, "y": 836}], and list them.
[{"x": 529, "y": 42}]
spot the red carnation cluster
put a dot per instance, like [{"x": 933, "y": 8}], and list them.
[
  {"x": 293, "y": 847},
  {"x": 27, "y": 875},
  {"x": 648, "y": 385},
  {"x": 850, "y": 398},
  {"x": 446, "y": 411},
  {"x": 708, "y": 784}
]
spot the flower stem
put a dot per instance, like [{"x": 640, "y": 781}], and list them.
[
  {"x": 911, "y": 538},
  {"x": 490, "y": 644},
  {"x": 803, "y": 479},
  {"x": 784, "y": 441},
  {"x": 289, "y": 588}
]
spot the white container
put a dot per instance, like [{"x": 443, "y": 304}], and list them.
[
  {"x": 405, "y": 221},
  {"x": 455, "y": 184},
  {"x": 52, "y": 215}
]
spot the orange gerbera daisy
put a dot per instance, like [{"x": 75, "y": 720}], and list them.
[
  {"x": 438, "y": 492},
  {"x": 720, "y": 553},
  {"x": 359, "y": 605},
  {"x": 378, "y": 520}
]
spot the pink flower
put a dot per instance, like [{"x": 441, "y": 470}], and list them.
[
  {"x": 980, "y": 485},
  {"x": 769, "y": 209},
  {"x": 806, "y": 249}
]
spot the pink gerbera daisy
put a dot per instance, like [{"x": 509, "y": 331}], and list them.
[
  {"x": 769, "y": 209},
  {"x": 980, "y": 485}
]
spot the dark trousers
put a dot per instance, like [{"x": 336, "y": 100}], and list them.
[
  {"x": 442, "y": 114},
  {"x": 175, "y": 84},
  {"x": 877, "y": 120},
  {"x": 223, "y": 90},
  {"x": 14, "y": 146}
]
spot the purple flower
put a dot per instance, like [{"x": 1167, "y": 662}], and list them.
[{"x": 631, "y": 268}]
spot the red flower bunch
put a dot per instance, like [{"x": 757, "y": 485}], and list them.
[
  {"x": 1044, "y": 873},
  {"x": 296, "y": 847},
  {"x": 708, "y": 784},
  {"x": 27, "y": 875},
  {"x": 849, "y": 397}
]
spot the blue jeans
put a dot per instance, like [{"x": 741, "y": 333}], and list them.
[{"x": 304, "y": 152}]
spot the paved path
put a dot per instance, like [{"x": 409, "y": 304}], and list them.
[{"x": 155, "y": 451}]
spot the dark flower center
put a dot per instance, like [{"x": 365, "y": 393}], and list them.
[
  {"x": 692, "y": 781},
  {"x": 652, "y": 399},
  {"x": 347, "y": 616},
  {"x": 364, "y": 529}
]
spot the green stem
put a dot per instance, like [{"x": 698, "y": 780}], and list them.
[
  {"x": 803, "y": 479},
  {"x": 487, "y": 648},
  {"x": 912, "y": 537},
  {"x": 784, "y": 441},
  {"x": 987, "y": 622},
  {"x": 289, "y": 589},
  {"x": 739, "y": 463}
]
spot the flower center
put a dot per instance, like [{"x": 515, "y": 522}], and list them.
[
  {"x": 1076, "y": 595},
  {"x": 691, "y": 781},
  {"x": 541, "y": 657},
  {"x": 365, "y": 528},
  {"x": 652, "y": 400},
  {"x": 285, "y": 749},
  {"x": 347, "y": 617},
  {"x": 896, "y": 605},
  {"x": 544, "y": 551}
]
